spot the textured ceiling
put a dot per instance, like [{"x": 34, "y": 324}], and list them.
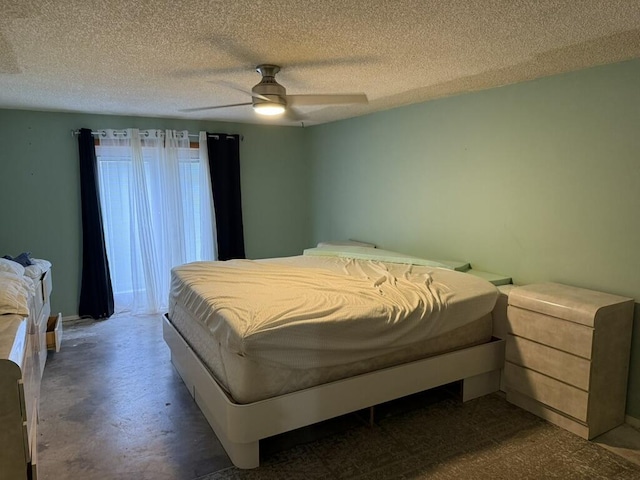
[{"x": 153, "y": 58}]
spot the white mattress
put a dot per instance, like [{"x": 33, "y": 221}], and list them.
[{"x": 272, "y": 326}]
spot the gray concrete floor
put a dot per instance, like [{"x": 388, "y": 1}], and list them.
[
  {"x": 623, "y": 441},
  {"x": 113, "y": 407}
]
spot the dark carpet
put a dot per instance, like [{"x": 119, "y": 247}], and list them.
[{"x": 434, "y": 436}]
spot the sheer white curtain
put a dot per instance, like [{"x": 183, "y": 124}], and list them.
[{"x": 157, "y": 210}]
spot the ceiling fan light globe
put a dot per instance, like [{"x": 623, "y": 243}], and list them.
[{"x": 268, "y": 108}]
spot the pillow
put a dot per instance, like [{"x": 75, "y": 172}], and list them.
[
  {"x": 13, "y": 295},
  {"x": 9, "y": 266},
  {"x": 342, "y": 243},
  {"x": 38, "y": 268},
  {"x": 23, "y": 259},
  {"x": 366, "y": 253}
]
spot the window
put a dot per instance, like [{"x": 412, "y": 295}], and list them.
[{"x": 157, "y": 213}]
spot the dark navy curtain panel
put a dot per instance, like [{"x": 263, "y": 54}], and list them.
[
  {"x": 96, "y": 293},
  {"x": 224, "y": 165}
]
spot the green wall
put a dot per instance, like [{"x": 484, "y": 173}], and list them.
[
  {"x": 40, "y": 190},
  {"x": 538, "y": 180}
]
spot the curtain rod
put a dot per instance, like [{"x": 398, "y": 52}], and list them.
[{"x": 75, "y": 133}]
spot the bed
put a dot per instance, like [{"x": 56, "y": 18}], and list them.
[
  {"x": 24, "y": 311},
  {"x": 271, "y": 345}
]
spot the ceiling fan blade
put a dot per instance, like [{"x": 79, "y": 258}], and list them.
[
  {"x": 247, "y": 58},
  {"x": 294, "y": 115},
  {"x": 236, "y": 88},
  {"x": 214, "y": 107},
  {"x": 292, "y": 67},
  {"x": 234, "y": 48},
  {"x": 329, "y": 99}
]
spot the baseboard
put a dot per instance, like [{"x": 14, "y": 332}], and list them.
[
  {"x": 632, "y": 421},
  {"x": 70, "y": 318}
]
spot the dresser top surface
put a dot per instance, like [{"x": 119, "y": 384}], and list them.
[{"x": 570, "y": 303}]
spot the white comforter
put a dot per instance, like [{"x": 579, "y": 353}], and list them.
[
  {"x": 18, "y": 285},
  {"x": 309, "y": 311},
  {"x": 15, "y": 291}
]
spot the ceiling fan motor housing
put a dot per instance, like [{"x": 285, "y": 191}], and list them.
[{"x": 269, "y": 88}]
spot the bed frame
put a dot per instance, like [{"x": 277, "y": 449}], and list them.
[{"x": 239, "y": 427}]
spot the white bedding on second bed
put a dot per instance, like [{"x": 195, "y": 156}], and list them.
[{"x": 289, "y": 316}]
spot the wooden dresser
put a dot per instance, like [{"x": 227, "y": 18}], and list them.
[
  {"x": 567, "y": 355},
  {"x": 19, "y": 392},
  {"x": 23, "y": 353}
]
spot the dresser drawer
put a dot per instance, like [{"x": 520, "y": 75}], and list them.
[
  {"x": 560, "y": 396},
  {"x": 54, "y": 332},
  {"x": 554, "y": 363},
  {"x": 566, "y": 336}
]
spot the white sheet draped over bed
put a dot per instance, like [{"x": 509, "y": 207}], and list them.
[{"x": 306, "y": 312}]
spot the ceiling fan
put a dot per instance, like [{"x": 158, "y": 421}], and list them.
[{"x": 270, "y": 98}]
